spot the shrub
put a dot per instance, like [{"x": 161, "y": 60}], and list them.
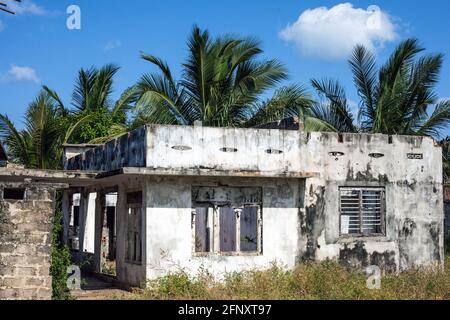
[{"x": 61, "y": 259}]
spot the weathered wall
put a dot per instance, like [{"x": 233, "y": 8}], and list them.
[
  {"x": 414, "y": 220},
  {"x": 409, "y": 168},
  {"x": 129, "y": 273},
  {"x": 169, "y": 228},
  {"x": 125, "y": 151},
  {"x": 25, "y": 242}
]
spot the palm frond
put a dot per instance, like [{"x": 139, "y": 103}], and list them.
[
  {"x": 335, "y": 111},
  {"x": 438, "y": 120},
  {"x": 363, "y": 67}
]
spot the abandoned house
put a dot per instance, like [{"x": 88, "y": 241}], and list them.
[{"x": 167, "y": 198}]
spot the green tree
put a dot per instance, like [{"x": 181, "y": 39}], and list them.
[
  {"x": 100, "y": 117},
  {"x": 38, "y": 145},
  {"x": 221, "y": 85},
  {"x": 397, "y": 98},
  {"x": 445, "y": 143}
]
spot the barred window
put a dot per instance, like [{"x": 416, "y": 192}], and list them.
[{"x": 362, "y": 211}]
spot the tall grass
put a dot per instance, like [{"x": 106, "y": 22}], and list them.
[{"x": 325, "y": 280}]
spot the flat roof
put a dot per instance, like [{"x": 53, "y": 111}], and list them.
[
  {"x": 72, "y": 178},
  {"x": 204, "y": 173}
]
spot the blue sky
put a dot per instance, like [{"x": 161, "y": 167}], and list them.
[{"x": 310, "y": 37}]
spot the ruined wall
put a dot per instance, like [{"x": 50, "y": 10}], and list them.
[
  {"x": 125, "y": 151},
  {"x": 413, "y": 187},
  {"x": 25, "y": 242}
]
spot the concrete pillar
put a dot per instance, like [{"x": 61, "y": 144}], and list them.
[
  {"x": 100, "y": 207},
  {"x": 84, "y": 198},
  {"x": 66, "y": 209}
]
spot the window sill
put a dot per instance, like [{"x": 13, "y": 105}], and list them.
[
  {"x": 225, "y": 254},
  {"x": 362, "y": 237}
]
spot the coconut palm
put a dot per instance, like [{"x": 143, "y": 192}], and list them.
[
  {"x": 445, "y": 143},
  {"x": 397, "y": 98},
  {"x": 38, "y": 145},
  {"x": 221, "y": 84},
  {"x": 102, "y": 119}
]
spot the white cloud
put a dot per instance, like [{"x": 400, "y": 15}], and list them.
[
  {"x": 18, "y": 73},
  {"x": 113, "y": 44},
  {"x": 27, "y": 6},
  {"x": 332, "y": 33}
]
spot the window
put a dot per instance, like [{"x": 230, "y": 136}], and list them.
[
  {"x": 362, "y": 211},
  {"x": 134, "y": 227},
  {"x": 228, "y": 222},
  {"x": 14, "y": 194},
  {"x": 232, "y": 229}
]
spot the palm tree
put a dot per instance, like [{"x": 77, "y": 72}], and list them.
[
  {"x": 397, "y": 98},
  {"x": 38, "y": 145},
  {"x": 221, "y": 85},
  {"x": 101, "y": 118},
  {"x": 445, "y": 143}
]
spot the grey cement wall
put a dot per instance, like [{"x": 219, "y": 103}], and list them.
[{"x": 25, "y": 242}]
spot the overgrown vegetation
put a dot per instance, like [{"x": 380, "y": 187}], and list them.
[
  {"x": 325, "y": 280},
  {"x": 60, "y": 260}
]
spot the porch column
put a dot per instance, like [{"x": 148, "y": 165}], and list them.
[
  {"x": 84, "y": 198},
  {"x": 100, "y": 208}
]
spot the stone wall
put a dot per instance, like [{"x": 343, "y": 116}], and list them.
[{"x": 25, "y": 242}]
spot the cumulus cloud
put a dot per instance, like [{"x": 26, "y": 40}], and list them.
[
  {"x": 332, "y": 33},
  {"x": 27, "y": 6},
  {"x": 18, "y": 73},
  {"x": 113, "y": 44}
]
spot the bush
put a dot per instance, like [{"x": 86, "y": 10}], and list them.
[{"x": 61, "y": 259}]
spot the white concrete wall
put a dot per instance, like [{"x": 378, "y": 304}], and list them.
[
  {"x": 89, "y": 234},
  {"x": 169, "y": 232},
  {"x": 129, "y": 273}
]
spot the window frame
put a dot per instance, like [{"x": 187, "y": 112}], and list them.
[
  {"x": 382, "y": 212},
  {"x": 214, "y": 244}
]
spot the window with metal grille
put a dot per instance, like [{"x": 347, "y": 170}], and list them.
[{"x": 362, "y": 211}]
